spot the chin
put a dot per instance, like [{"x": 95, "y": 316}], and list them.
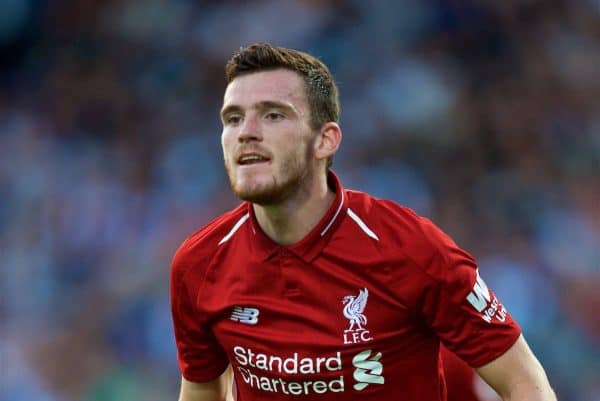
[
  {"x": 261, "y": 196},
  {"x": 268, "y": 189},
  {"x": 265, "y": 194}
]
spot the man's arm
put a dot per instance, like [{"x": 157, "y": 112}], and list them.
[
  {"x": 517, "y": 375},
  {"x": 215, "y": 390}
]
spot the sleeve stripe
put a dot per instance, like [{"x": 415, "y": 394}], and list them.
[
  {"x": 362, "y": 225},
  {"x": 235, "y": 228}
]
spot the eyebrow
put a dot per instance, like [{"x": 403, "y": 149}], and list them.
[{"x": 264, "y": 105}]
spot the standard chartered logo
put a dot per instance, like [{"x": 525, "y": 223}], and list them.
[
  {"x": 264, "y": 372},
  {"x": 368, "y": 369},
  {"x": 297, "y": 374}
]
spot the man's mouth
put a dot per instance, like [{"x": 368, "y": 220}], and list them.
[{"x": 251, "y": 158}]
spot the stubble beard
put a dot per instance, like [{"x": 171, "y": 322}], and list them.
[{"x": 289, "y": 182}]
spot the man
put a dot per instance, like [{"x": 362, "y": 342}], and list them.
[{"x": 312, "y": 291}]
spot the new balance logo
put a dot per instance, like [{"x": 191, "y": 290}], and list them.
[{"x": 245, "y": 315}]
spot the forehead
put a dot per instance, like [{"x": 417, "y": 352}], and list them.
[{"x": 279, "y": 85}]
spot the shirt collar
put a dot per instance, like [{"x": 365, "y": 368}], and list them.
[{"x": 312, "y": 244}]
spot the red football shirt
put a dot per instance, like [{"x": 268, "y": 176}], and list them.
[
  {"x": 462, "y": 383},
  {"x": 356, "y": 309}
]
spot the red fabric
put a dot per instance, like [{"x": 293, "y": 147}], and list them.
[
  {"x": 283, "y": 316},
  {"x": 460, "y": 378}
]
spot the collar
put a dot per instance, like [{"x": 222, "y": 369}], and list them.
[{"x": 312, "y": 244}]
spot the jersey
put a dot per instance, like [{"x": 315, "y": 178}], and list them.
[
  {"x": 462, "y": 383},
  {"x": 357, "y": 308}
]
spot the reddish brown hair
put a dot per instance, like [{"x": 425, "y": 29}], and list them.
[{"x": 321, "y": 90}]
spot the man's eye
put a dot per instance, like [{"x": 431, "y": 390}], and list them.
[
  {"x": 273, "y": 116},
  {"x": 233, "y": 119}
]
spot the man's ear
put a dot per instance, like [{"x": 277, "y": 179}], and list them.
[{"x": 328, "y": 141}]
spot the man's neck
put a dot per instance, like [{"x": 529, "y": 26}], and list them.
[{"x": 291, "y": 221}]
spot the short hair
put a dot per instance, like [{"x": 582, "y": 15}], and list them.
[{"x": 321, "y": 90}]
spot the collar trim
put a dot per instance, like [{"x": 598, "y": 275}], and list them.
[
  {"x": 339, "y": 209},
  {"x": 311, "y": 245}
]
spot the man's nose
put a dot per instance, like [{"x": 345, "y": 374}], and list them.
[{"x": 250, "y": 130}]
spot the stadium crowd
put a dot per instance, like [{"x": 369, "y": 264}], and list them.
[{"x": 483, "y": 116}]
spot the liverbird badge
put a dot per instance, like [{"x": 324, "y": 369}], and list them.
[{"x": 354, "y": 308}]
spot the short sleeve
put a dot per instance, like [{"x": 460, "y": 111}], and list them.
[
  {"x": 459, "y": 307},
  {"x": 200, "y": 356}
]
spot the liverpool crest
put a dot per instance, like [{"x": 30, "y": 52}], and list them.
[{"x": 354, "y": 307}]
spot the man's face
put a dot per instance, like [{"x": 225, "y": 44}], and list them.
[{"x": 267, "y": 140}]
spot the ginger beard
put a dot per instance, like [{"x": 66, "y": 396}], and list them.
[{"x": 287, "y": 176}]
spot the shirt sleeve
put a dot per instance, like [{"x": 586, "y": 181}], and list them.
[
  {"x": 459, "y": 307},
  {"x": 201, "y": 358}
]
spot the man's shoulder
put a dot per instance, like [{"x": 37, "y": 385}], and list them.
[
  {"x": 386, "y": 214},
  {"x": 200, "y": 246},
  {"x": 209, "y": 236},
  {"x": 399, "y": 227}
]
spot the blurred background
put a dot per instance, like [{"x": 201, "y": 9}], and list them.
[{"x": 482, "y": 115}]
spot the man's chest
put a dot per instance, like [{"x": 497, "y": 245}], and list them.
[{"x": 312, "y": 329}]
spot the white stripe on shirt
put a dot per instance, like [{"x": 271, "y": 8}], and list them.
[
  {"x": 235, "y": 228},
  {"x": 362, "y": 225}
]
